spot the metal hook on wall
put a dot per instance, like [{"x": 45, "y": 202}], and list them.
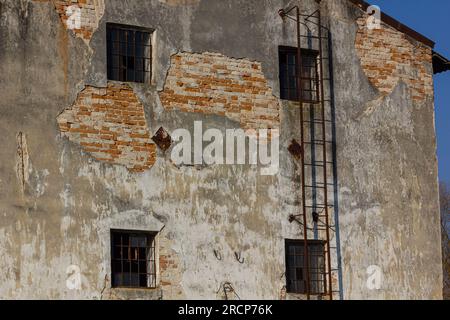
[
  {"x": 239, "y": 258},
  {"x": 218, "y": 255}
]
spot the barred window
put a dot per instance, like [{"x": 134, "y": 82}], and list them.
[
  {"x": 133, "y": 259},
  {"x": 129, "y": 53},
  {"x": 288, "y": 74},
  {"x": 296, "y": 276}
]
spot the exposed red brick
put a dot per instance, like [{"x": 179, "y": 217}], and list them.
[
  {"x": 91, "y": 13},
  {"x": 211, "y": 83},
  {"x": 110, "y": 124},
  {"x": 389, "y": 56}
]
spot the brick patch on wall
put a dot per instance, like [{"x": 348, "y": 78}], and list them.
[
  {"x": 170, "y": 270},
  {"x": 91, "y": 13},
  {"x": 211, "y": 83},
  {"x": 110, "y": 124},
  {"x": 389, "y": 56}
]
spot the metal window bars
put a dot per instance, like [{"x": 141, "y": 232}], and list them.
[
  {"x": 317, "y": 168},
  {"x": 295, "y": 271},
  {"x": 133, "y": 263},
  {"x": 288, "y": 74},
  {"x": 129, "y": 57}
]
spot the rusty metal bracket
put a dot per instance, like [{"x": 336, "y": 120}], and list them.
[{"x": 162, "y": 139}]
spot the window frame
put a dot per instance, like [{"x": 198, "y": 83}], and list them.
[
  {"x": 151, "y": 245},
  {"x": 320, "y": 274},
  {"x": 313, "y": 83},
  {"x": 146, "y": 55}
]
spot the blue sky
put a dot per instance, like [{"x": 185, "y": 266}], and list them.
[{"x": 431, "y": 18}]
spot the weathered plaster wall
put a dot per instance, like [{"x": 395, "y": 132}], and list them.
[
  {"x": 58, "y": 202},
  {"x": 386, "y": 160}
]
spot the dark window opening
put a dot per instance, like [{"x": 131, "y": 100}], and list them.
[
  {"x": 133, "y": 262},
  {"x": 308, "y": 74},
  {"x": 129, "y": 54},
  {"x": 296, "y": 276}
]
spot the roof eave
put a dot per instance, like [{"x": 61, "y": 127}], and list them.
[{"x": 440, "y": 63}]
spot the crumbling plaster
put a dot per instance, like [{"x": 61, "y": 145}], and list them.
[
  {"x": 80, "y": 16},
  {"x": 389, "y": 56},
  {"x": 215, "y": 84},
  {"x": 110, "y": 124},
  {"x": 387, "y": 173},
  {"x": 62, "y": 216}
]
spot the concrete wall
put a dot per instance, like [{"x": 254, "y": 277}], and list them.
[{"x": 59, "y": 198}]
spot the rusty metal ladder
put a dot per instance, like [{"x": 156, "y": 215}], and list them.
[
  {"x": 317, "y": 146},
  {"x": 316, "y": 134}
]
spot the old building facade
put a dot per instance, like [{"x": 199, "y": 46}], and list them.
[{"x": 92, "y": 205}]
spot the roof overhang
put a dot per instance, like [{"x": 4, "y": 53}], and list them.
[{"x": 440, "y": 63}]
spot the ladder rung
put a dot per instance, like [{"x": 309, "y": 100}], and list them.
[
  {"x": 313, "y": 37},
  {"x": 318, "y": 163},
  {"x": 313, "y": 165},
  {"x": 328, "y": 183},
  {"x": 316, "y": 101},
  {"x": 323, "y": 227},
  {"x": 316, "y": 122},
  {"x": 317, "y": 142},
  {"x": 320, "y": 206},
  {"x": 321, "y": 120}
]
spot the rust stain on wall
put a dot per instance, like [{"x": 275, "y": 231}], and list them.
[
  {"x": 22, "y": 160},
  {"x": 110, "y": 124},
  {"x": 212, "y": 83},
  {"x": 389, "y": 56}
]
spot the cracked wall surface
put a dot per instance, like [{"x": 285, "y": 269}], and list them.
[
  {"x": 23, "y": 160},
  {"x": 389, "y": 56},
  {"x": 110, "y": 124},
  {"x": 212, "y": 83}
]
